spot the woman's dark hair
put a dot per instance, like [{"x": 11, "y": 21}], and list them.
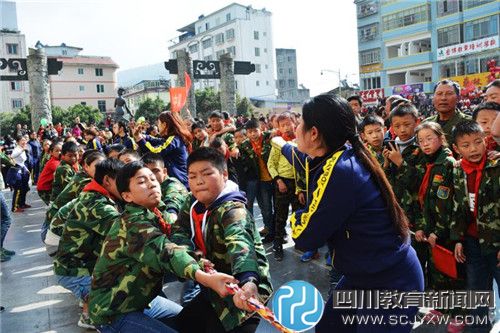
[
  {"x": 175, "y": 126},
  {"x": 335, "y": 121},
  {"x": 126, "y": 173}
]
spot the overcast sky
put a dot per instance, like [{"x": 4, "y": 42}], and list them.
[{"x": 136, "y": 32}]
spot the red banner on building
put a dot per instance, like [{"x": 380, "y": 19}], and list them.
[{"x": 371, "y": 96}]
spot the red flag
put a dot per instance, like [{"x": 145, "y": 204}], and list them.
[{"x": 178, "y": 95}]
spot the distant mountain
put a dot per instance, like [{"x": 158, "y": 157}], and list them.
[{"x": 129, "y": 77}]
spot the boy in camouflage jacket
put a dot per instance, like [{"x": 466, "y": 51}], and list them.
[
  {"x": 476, "y": 219},
  {"x": 135, "y": 256},
  {"x": 173, "y": 192},
  {"x": 84, "y": 230},
  {"x": 215, "y": 224},
  {"x": 66, "y": 170}
]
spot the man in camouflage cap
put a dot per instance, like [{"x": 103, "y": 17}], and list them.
[{"x": 136, "y": 254}]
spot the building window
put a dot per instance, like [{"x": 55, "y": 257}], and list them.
[
  {"x": 206, "y": 43},
  {"x": 256, "y": 35},
  {"x": 484, "y": 27},
  {"x": 483, "y": 62},
  {"x": 193, "y": 48},
  {"x": 267, "y": 83},
  {"x": 265, "y": 50},
  {"x": 369, "y": 57},
  {"x": 82, "y": 88},
  {"x": 474, "y": 3},
  {"x": 98, "y": 72},
  {"x": 371, "y": 83},
  {"x": 281, "y": 70},
  {"x": 17, "y": 103},
  {"x": 15, "y": 85},
  {"x": 471, "y": 66},
  {"x": 257, "y": 52},
  {"x": 232, "y": 51},
  {"x": 100, "y": 88},
  {"x": 368, "y": 32},
  {"x": 217, "y": 21},
  {"x": 257, "y": 83},
  {"x": 12, "y": 48},
  {"x": 83, "y": 103},
  {"x": 80, "y": 71},
  {"x": 230, "y": 34},
  {"x": 208, "y": 57},
  {"x": 449, "y": 35},
  {"x": 207, "y": 26},
  {"x": 447, "y": 69},
  {"x": 64, "y": 52},
  {"x": 291, "y": 83},
  {"x": 446, "y": 7},
  {"x": 290, "y": 71},
  {"x": 265, "y": 66},
  {"x": 257, "y": 68},
  {"x": 406, "y": 17},
  {"x": 228, "y": 17},
  {"x": 368, "y": 8},
  {"x": 219, "y": 53},
  {"x": 281, "y": 83},
  {"x": 235, "y": 84},
  {"x": 219, "y": 38},
  {"x": 101, "y": 105}
]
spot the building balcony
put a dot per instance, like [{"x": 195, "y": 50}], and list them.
[{"x": 410, "y": 60}]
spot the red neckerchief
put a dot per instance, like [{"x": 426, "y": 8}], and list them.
[
  {"x": 469, "y": 168},
  {"x": 228, "y": 155},
  {"x": 164, "y": 226},
  {"x": 198, "y": 232},
  {"x": 94, "y": 186},
  {"x": 287, "y": 137},
  {"x": 491, "y": 144},
  {"x": 257, "y": 146},
  {"x": 425, "y": 183}
]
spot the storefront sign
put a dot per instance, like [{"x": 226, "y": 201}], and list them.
[
  {"x": 407, "y": 89},
  {"x": 479, "y": 45},
  {"x": 371, "y": 96}
]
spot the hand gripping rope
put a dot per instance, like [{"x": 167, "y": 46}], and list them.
[{"x": 254, "y": 304}]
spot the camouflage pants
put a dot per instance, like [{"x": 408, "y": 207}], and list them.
[{"x": 281, "y": 204}]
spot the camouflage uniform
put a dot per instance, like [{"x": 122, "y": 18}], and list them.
[
  {"x": 250, "y": 159},
  {"x": 437, "y": 212},
  {"x": 45, "y": 158},
  {"x": 234, "y": 246},
  {"x": 228, "y": 138},
  {"x": 62, "y": 177},
  {"x": 70, "y": 191},
  {"x": 378, "y": 155},
  {"x": 488, "y": 207},
  {"x": 198, "y": 144},
  {"x": 134, "y": 258},
  {"x": 173, "y": 193},
  {"x": 449, "y": 124},
  {"x": 404, "y": 182},
  {"x": 84, "y": 231}
]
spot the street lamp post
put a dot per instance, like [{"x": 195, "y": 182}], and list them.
[{"x": 337, "y": 72}]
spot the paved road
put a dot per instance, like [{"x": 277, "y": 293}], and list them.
[{"x": 35, "y": 303}]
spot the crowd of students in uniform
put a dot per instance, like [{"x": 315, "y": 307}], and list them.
[{"x": 127, "y": 213}]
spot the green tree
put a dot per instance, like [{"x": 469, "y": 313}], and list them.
[
  {"x": 207, "y": 100},
  {"x": 9, "y": 120},
  {"x": 150, "y": 109},
  {"x": 86, "y": 113},
  {"x": 243, "y": 107}
]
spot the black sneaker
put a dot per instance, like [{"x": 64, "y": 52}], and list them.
[
  {"x": 278, "y": 253},
  {"x": 264, "y": 232}
]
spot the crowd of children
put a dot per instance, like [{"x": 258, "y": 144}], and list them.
[{"x": 125, "y": 212}]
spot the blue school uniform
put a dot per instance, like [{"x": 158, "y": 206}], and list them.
[{"x": 346, "y": 210}]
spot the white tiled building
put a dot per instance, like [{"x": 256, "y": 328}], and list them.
[{"x": 244, "y": 32}]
